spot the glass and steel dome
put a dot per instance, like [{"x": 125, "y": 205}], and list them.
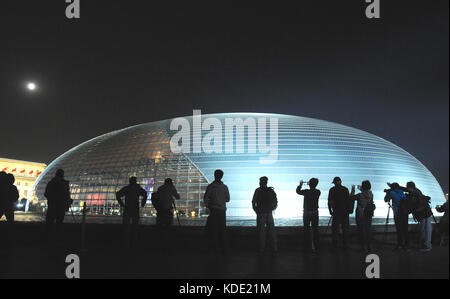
[{"x": 305, "y": 148}]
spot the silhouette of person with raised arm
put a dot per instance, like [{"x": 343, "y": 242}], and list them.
[
  {"x": 310, "y": 213},
  {"x": 132, "y": 193},
  {"x": 57, "y": 193},
  {"x": 215, "y": 199},
  {"x": 8, "y": 196},
  {"x": 340, "y": 207},
  {"x": 264, "y": 203}
]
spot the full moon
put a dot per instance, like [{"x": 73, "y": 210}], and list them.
[{"x": 31, "y": 86}]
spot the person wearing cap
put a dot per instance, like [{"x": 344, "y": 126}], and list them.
[
  {"x": 340, "y": 207},
  {"x": 310, "y": 213},
  {"x": 264, "y": 203},
  {"x": 395, "y": 195},
  {"x": 420, "y": 208},
  {"x": 132, "y": 193}
]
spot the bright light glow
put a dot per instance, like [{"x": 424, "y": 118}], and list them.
[{"x": 31, "y": 86}]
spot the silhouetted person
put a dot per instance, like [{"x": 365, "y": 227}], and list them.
[
  {"x": 340, "y": 208},
  {"x": 401, "y": 214},
  {"x": 443, "y": 223},
  {"x": 132, "y": 193},
  {"x": 3, "y": 188},
  {"x": 421, "y": 210},
  {"x": 8, "y": 196},
  {"x": 166, "y": 195},
  {"x": 310, "y": 213},
  {"x": 57, "y": 193},
  {"x": 365, "y": 208},
  {"x": 264, "y": 203},
  {"x": 215, "y": 199}
]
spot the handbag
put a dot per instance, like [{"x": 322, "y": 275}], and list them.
[{"x": 370, "y": 209}]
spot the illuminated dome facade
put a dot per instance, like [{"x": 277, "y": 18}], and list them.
[{"x": 304, "y": 148}]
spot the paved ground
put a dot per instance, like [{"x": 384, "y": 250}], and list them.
[{"x": 33, "y": 255}]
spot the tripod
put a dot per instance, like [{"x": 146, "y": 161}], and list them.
[
  {"x": 387, "y": 222},
  {"x": 73, "y": 215},
  {"x": 176, "y": 212},
  {"x": 434, "y": 218},
  {"x": 83, "y": 228}
]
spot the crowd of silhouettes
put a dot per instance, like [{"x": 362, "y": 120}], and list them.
[{"x": 404, "y": 201}]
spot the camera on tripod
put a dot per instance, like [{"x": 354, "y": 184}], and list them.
[
  {"x": 387, "y": 198},
  {"x": 392, "y": 186}
]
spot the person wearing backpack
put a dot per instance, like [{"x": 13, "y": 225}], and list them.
[
  {"x": 398, "y": 197},
  {"x": 264, "y": 203},
  {"x": 340, "y": 207},
  {"x": 419, "y": 206},
  {"x": 364, "y": 213},
  {"x": 310, "y": 213},
  {"x": 423, "y": 214}
]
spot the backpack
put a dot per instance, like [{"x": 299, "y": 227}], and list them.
[
  {"x": 422, "y": 210},
  {"x": 370, "y": 209},
  {"x": 156, "y": 200},
  {"x": 408, "y": 204},
  {"x": 267, "y": 200}
]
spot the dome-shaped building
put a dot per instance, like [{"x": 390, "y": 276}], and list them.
[{"x": 245, "y": 146}]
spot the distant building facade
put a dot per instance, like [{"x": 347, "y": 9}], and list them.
[{"x": 26, "y": 174}]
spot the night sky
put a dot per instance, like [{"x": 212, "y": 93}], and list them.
[{"x": 130, "y": 62}]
